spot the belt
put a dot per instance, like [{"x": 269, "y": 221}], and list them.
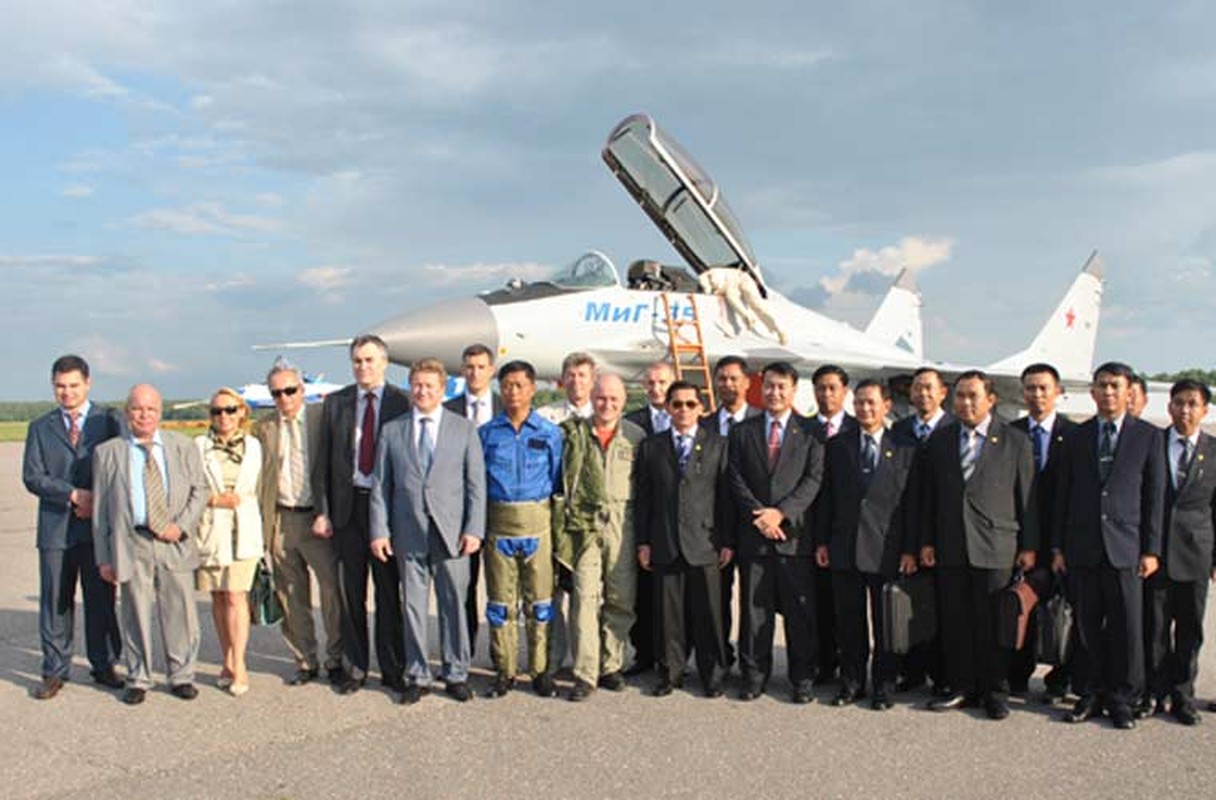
[
  {"x": 361, "y": 490},
  {"x": 295, "y": 509},
  {"x": 144, "y": 530}
]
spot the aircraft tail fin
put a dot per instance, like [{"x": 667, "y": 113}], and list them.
[
  {"x": 1067, "y": 339},
  {"x": 897, "y": 320}
]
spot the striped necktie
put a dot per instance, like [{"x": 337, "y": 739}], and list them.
[{"x": 156, "y": 502}]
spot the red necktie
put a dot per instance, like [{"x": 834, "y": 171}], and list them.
[
  {"x": 774, "y": 444},
  {"x": 367, "y": 443},
  {"x": 74, "y": 430}
]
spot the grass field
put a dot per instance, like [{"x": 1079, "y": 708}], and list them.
[{"x": 13, "y": 431}]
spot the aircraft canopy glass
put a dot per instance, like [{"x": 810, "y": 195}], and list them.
[{"x": 590, "y": 270}]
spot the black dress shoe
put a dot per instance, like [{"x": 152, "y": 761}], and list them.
[
  {"x": 1184, "y": 711},
  {"x": 184, "y": 691},
  {"x": 1145, "y": 706},
  {"x": 942, "y": 691},
  {"x": 751, "y": 691},
  {"x": 302, "y": 677},
  {"x": 544, "y": 686},
  {"x": 909, "y": 684},
  {"x": 580, "y": 691},
  {"x": 1123, "y": 717},
  {"x": 639, "y": 668},
  {"x": 1212, "y": 706},
  {"x": 49, "y": 687},
  {"x": 665, "y": 687},
  {"x": 501, "y": 686},
  {"x": 804, "y": 692},
  {"x": 393, "y": 684},
  {"x": 351, "y": 685},
  {"x": 612, "y": 681},
  {"x": 948, "y": 703},
  {"x": 881, "y": 701},
  {"x": 459, "y": 691},
  {"x": 411, "y": 693},
  {"x": 995, "y": 707},
  {"x": 107, "y": 678},
  {"x": 336, "y": 675},
  {"x": 1086, "y": 708},
  {"x": 714, "y": 689},
  {"x": 133, "y": 696},
  {"x": 847, "y": 696}
]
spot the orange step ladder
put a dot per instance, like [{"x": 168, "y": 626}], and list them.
[{"x": 688, "y": 351}]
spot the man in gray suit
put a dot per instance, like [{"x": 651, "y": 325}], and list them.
[
  {"x": 58, "y": 470},
  {"x": 428, "y": 508},
  {"x": 149, "y": 494}
]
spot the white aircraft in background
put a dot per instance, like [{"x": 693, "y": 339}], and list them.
[
  {"x": 257, "y": 395},
  {"x": 624, "y": 326}
]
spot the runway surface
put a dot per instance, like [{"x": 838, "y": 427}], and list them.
[{"x": 286, "y": 742}]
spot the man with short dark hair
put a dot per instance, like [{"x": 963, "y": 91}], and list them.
[
  {"x": 57, "y": 468},
  {"x": 351, "y": 420},
  {"x": 1106, "y": 536},
  {"x": 1137, "y": 398}
]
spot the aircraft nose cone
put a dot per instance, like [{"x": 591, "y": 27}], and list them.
[{"x": 440, "y": 331}]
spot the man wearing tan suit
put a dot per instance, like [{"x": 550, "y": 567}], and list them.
[{"x": 288, "y": 512}]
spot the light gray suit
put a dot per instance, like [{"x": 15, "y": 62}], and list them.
[
  {"x": 425, "y": 515},
  {"x": 151, "y": 571}
]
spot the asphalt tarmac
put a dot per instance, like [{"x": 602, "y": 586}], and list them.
[{"x": 304, "y": 742}]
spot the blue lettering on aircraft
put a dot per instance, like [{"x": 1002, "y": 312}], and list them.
[{"x": 611, "y": 312}]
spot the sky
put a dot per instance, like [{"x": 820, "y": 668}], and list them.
[{"x": 184, "y": 180}]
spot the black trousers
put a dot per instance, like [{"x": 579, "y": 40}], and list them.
[
  {"x": 825, "y": 623},
  {"x": 470, "y": 601},
  {"x": 1174, "y": 618},
  {"x": 1109, "y": 646},
  {"x": 690, "y": 600},
  {"x": 768, "y": 583},
  {"x": 59, "y": 570},
  {"x": 727, "y": 578},
  {"x": 967, "y": 598},
  {"x": 856, "y": 594},
  {"x": 354, "y": 563},
  {"x": 642, "y": 634}
]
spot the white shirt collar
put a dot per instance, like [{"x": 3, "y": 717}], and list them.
[
  {"x": 836, "y": 420},
  {"x": 1175, "y": 437},
  {"x": 782, "y": 420},
  {"x": 1047, "y": 424}
]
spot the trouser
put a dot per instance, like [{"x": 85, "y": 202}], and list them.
[
  {"x": 690, "y": 600},
  {"x": 975, "y": 665},
  {"x": 152, "y": 592},
  {"x": 825, "y": 623},
  {"x": 1109, "y": 655},
  {"x": 642, "y": 634},
  {"x": 563, "y": 596},
  {"x": 601, "y": 606},
  {"x": 355, "y": 562},
  {"x": 765, "y": 583},
  {"x": 1174, "y": 616},
  {"x": 519, "y": 568},
  {"x": 294, "y": 550},
  {"x": 471, "y": 612},
  {"x": 727, "y": 578},
  {"x": 58, "y": 571},
  {"x": 852, "y": 591},
  {"x": 451, "y": 578}
]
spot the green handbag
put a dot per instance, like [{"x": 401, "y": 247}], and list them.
[{"x": 264, "y": 605}]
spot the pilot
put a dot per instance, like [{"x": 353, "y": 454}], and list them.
[
  {"x": 523, "y": 454},
  {"x": 738, "y": 289}
]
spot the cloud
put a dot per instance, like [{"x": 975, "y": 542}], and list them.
[
  {"x": 78, "y": 190},
  {"x": 914, "y": 253},
  {"x": 480, "y": 273},
  {"x": 769, "y": 56},
  {"x": 162, "y": 367},
  {"x": 231, "y": 283},
  {"x": 57, "y": 261},
  {"x": 105, "y": 355},
  {"x": 325, "y": 279},
  {"x": 204, "y": 219}
]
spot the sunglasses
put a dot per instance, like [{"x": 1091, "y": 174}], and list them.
[
  {"x": 676, "y": 405},
  {"x": 217, "y": 410},
  {"x": 286, "y": 390}
]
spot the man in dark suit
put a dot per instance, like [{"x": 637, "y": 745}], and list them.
[
  {"x": 58, "y": 469},
  {"x": 731, "y": 383},
  {"x": 1046, "y": 429},
  {"x": 345, "y": 463},
  {"x": 1106, "y": 535},
  {"x": 776, "y": 468},
  {"x": 479, "y": 404},
  {"x": 978, "y": 520},
  {"x": 860, "y": 537},
  {"x": 831, "y": 390},
  {"x": 927, "y": 394},
  {"x": 679, "y": 491},
  {"x": 1177, "y": 594},
  {"x": 652, "y": 419}
]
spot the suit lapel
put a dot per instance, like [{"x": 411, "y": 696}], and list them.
[
  {"x": 788, "y": 443},
  {"x": 989, "y": 450},
  {"x": 1195, "y": 469}
]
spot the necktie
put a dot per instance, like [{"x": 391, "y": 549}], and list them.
[
  {"x": 922, "y": 430},
  {"x": 730, "y": 425},
  {"x": 968, "y": 456},
  {"x": 662, "y": 422},
  {"x": 1039, "y": 443},
  {"x": 1106, "y": 450},
  {"x": 156, "y": 505},
  {"x": 831, "y": 427},
  {"x": 774, "y": 444},
  {"x": 426, "y": 445},
  {"x": 367, "y": 442},
  {"x": 296, "y": 459},
  {"x": 1184, "y": 463},
  {"x": 869, "y": 457},
  {"x": 685, "y": 450},
  {"x": 74, "y": 428},
  {"x": 475, "y": 406}
]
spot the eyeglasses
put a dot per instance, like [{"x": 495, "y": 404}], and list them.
[
  {"x": 676, "y": 405},
  {"x": 217, "y": 410},
  {"x": 286, "y": 390}
]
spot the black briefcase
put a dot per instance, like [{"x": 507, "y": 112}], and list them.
[
  {"x": 909, "y": 612},
  {"x": 1054, "y": 634}
]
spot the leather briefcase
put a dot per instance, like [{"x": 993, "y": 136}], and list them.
[
  {"x": 1055, "y": 624},
  {"x": 909, "y": 612},
  {"x": 1013, "y": 612}
]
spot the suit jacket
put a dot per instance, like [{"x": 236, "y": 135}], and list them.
[
  {"x": 820, "y": 431},
  {"x": 215, "y": 542},
  {"x": 52, "y": 468},
  {"x": 683, "y": 515},
  {"x": 1120, "y": 518},
  {"x": 1046, "y": 480},
  {"x": 267, "y": 431},
  {"x": 641, "y": 418},
  {"x": 114, "y": 534},
  {"x": 986, "y": 521},
  {"x": 405, "y": 501},
  {"x": 864, "y": 527},
  {"x": 710, "y": 421},
  {"x": 790, "y": 487},
  {"x": 904, "y": 429},
  {"x": 1189, "y": 544},
  {"x": 334, "y": 455},
  {"x": 459, "y": 405}
]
